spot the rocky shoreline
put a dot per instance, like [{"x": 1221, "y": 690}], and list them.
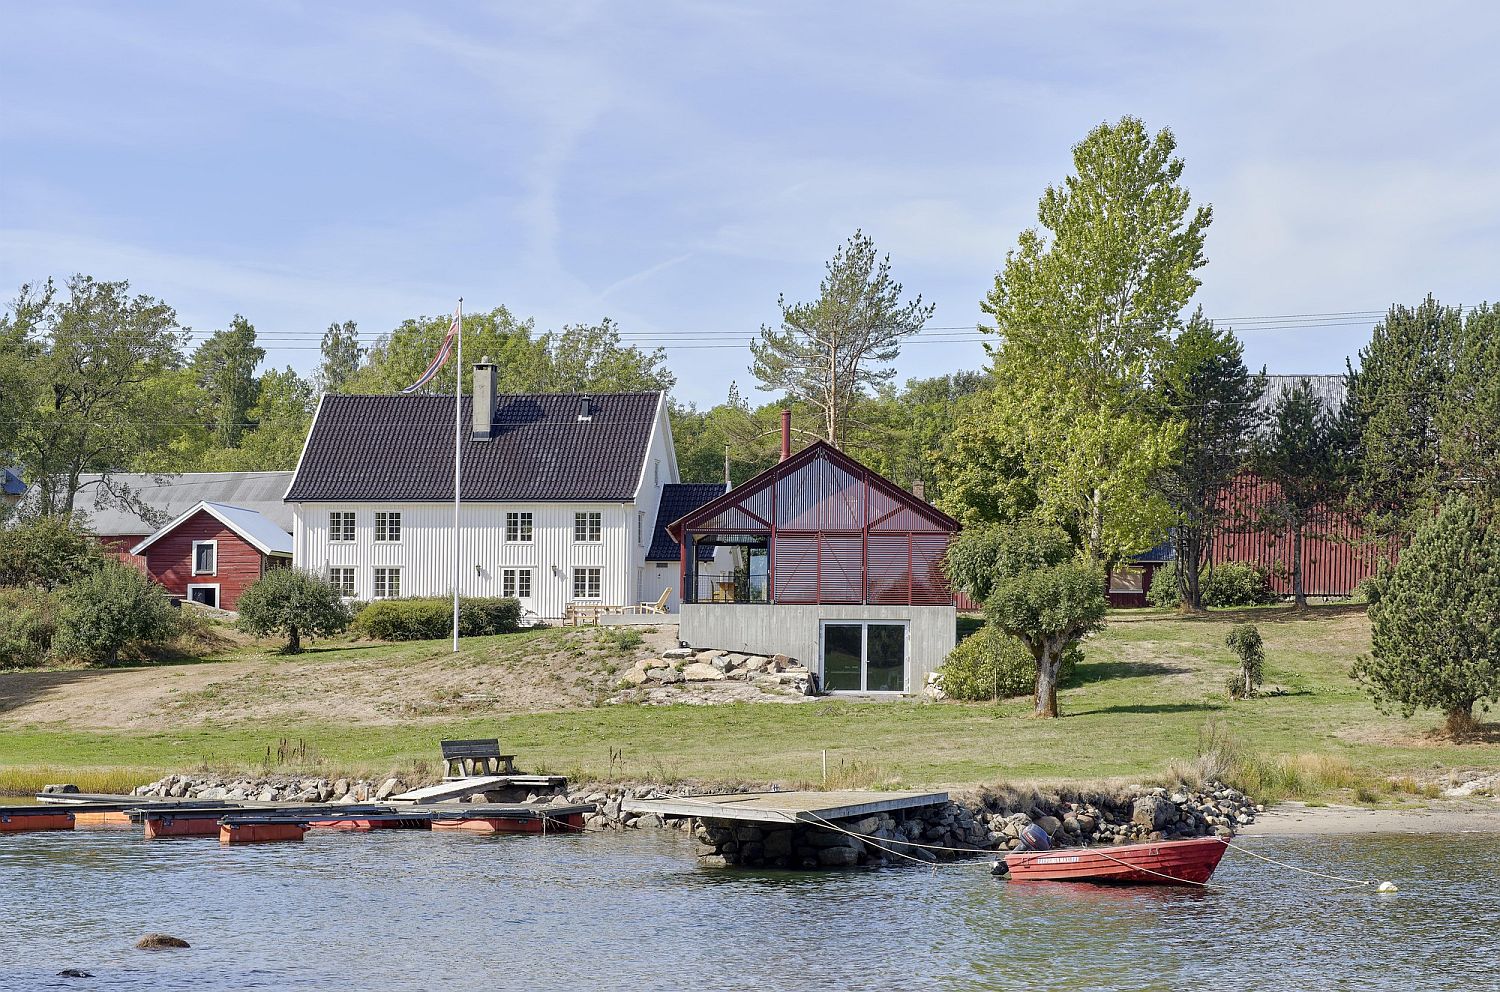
[{"x": 969, "y": 824}]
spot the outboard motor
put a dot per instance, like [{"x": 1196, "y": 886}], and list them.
[{"x": 1034, "y": 838}]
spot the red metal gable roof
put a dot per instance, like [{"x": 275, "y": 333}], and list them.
[{"x": 817, "y": 505}]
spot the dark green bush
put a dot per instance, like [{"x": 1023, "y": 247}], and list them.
[
  {"x": 1245, "y": 641},
  {"x": 47, "y": 552},
  {"x": 1230, "y": 583},
  {"x": 430, "y": 619},
  {"x": 990, "y": 664},
  {"x": 109, "y": 609},
  {"x": 28, "y": 622},
  {"x": 293, "y": 602}
]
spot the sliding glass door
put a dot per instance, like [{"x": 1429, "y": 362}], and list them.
[{"x": 864, "y": 656}]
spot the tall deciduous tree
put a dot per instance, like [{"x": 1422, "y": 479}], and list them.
[
  {"x": 1468, "y": 418},
  {"x": 1206, "y": 385},
  {"x": 1393, "y": 400},
  {"x": 830, "y": 351},
  {"x": 90, "y": 356},
  {"x": 1303, "y": 456},
  {"x": 1085, "y": 307},
  {"x": 591, "y": 358},
  {"x": 282, "y": 414},
  {"x": 341, "y": 356},
  {"x": 1434, "y": 641},
  {"x": 225, "y": 365}
]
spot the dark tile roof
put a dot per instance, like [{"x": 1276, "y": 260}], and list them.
[
  {"x": 677, "y": 501},
  {"x": 401, "y": 448}
]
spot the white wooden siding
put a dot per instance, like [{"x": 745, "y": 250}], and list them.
[{"x": 425, "y": 552}]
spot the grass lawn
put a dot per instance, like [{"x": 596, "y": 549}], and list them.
[{"x": 1150, "y": 692}]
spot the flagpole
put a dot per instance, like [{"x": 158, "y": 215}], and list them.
[{"x": 458, "y": 385}]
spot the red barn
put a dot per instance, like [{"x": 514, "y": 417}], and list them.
[{"x": 213, "y": 552}]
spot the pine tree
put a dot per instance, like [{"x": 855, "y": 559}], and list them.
[{"x": 1434, "y": 640}]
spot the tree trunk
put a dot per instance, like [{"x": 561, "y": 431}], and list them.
[
  {"x": 293, "y": 640},
  {"x": 1046, "y": 681},
  {"x": 1189, "y": 571},
  {"x": 1299, "y": 592},
  {"x": 1461, "y": 722}
]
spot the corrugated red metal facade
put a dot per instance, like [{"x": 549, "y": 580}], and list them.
[
  {"x": 1336, "y": 553},
  {"x": 838, "y": 533},
  {"x": 169, "y": 560}
]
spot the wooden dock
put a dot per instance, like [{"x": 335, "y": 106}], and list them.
[
  {"x": 786, "y": 807},
  {"x": 460, "y": 788}
]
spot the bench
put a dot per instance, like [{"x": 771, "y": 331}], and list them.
[{"x": 468, "y": 759}]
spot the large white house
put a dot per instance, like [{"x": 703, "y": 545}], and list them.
[{"x": 561, "y": 495}]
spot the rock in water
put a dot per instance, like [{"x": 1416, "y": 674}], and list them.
[
  {"x": 159, "y": 942},
  {"x": 74, "y": 973}
]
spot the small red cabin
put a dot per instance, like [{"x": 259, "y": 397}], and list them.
[{"x": 213, "y": 552}]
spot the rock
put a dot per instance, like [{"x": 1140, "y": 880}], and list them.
[
  {"x": 60, "y": 789},
  {"x": 707, "y": 657},
  {"x": 678, "y": 654},
  {"x": 722, "y": 663},
  {"x": 838, "y": 857},
  {"x": 757, "y": 662},
  {"x": 1152, "y": 812},
  {"x": 388, "y": 788},
  {"x": 666, "y": 676},
  {"x": 74, "y": 973},
  {"x": 702, "y": 672},
  {"x": 779, "y": 662},
  {"x": 636, "y": 676},
  {"x": 649, "y": 820},
  {"x": 712, "y": 861},
  {"x": 160, "y": 941},
  {"x": 1051, "y": 824}
]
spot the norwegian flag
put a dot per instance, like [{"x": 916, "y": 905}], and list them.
[{"x": 441, "y": 358}]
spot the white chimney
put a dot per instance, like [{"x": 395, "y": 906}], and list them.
[{"x": 484, "y": 400}]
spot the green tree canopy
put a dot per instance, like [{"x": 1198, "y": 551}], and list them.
[
  {"x": 1205, "y": 384},
  {"x": 1085, "y": 307},
  {"x": 1468, "y": 417},
  {"x": 830, "y": 352},
  {"x": 294, "y": 603},
  {"x": 342, "y": 355},
  {"x": 1434, "y": 635},
  {"x": 1303, "y": 454},
  {"x": 225, "y": 367}
]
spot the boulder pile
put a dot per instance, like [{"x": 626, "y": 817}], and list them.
[
  {"x": 273, "y": 789},
  {"x": 775, "y": 673}
]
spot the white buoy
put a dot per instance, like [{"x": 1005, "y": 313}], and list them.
[{"x": 1387, "y": 887}]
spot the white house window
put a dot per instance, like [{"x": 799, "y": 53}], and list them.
[
  {"x": 1127, "y": 579},
  {"x": 586, "y": 583},
  {"x": 588, "y": 526},
  {"x": 640, "y": 527},
  {"x": 387, "y": 526},
  {"x": 342, "y": 579},
  {"x": 656, "y": 473},
  {"x": 515, "y": 583},
  {"x": 205, "y": 557},
  {"x": 341, "y": 525},
  {"x": 387, "y": 583},
  {"x": 518, "y": 527}
]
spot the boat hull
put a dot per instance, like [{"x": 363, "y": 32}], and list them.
[{"x": 1175, "y": 862}]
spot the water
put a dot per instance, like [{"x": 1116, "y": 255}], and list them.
[{"x": 414, "y": 910}]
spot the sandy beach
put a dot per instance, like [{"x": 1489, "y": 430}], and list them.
[{"x": 1478, "y": 816}]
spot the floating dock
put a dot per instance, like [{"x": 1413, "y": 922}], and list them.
[{"x": 786, "y": 807}]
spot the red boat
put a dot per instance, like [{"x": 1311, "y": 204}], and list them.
[{"x": 1169, "y": 862}]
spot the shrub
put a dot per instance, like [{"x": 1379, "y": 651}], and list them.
[
  {"x": 430, "y": 619},
  {"x": 1244, "y": 640},
  {"x": 1163, "y": 591},
  {"x": 1237, "y": 583},
  {"x": 990, "y": 664},
  {"x": 47, "y": 552},
  {"x": 110, "y": 608},
  {"x": 28, "y": 622},
  {"x": 293, "y": 602}
]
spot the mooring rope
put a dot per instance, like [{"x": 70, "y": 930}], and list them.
[{"x": 1306, "y": 871}]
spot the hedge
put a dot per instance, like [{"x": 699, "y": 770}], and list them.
[
  {"x": 430, "y": 619},
  {"x": 1230, "y": 583}
]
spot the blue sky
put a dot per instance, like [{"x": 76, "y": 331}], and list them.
[{"x": 677, "y": 165}]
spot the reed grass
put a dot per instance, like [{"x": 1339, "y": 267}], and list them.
[{"x": 28, "y": 780}]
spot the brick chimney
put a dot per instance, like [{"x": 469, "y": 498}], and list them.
[
  {"x": 786, "y": 433},
  {"x": 919, "y": 490},
  {"x": 484, "y": 400}
]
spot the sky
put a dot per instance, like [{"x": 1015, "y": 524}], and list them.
[{"x": 677, "y": 166}]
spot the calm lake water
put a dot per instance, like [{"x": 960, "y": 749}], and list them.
[{"x": 414, "y": 910}]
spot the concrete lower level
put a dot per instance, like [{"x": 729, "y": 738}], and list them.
[{"x": 796, "y": 631}]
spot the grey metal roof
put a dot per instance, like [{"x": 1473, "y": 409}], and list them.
[
  {"x": 401, "y": 448},
  {"x": 173, "y": 495},
  {"x": 250, "y": 525},
  {"x": 1328, "y": 389}
]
